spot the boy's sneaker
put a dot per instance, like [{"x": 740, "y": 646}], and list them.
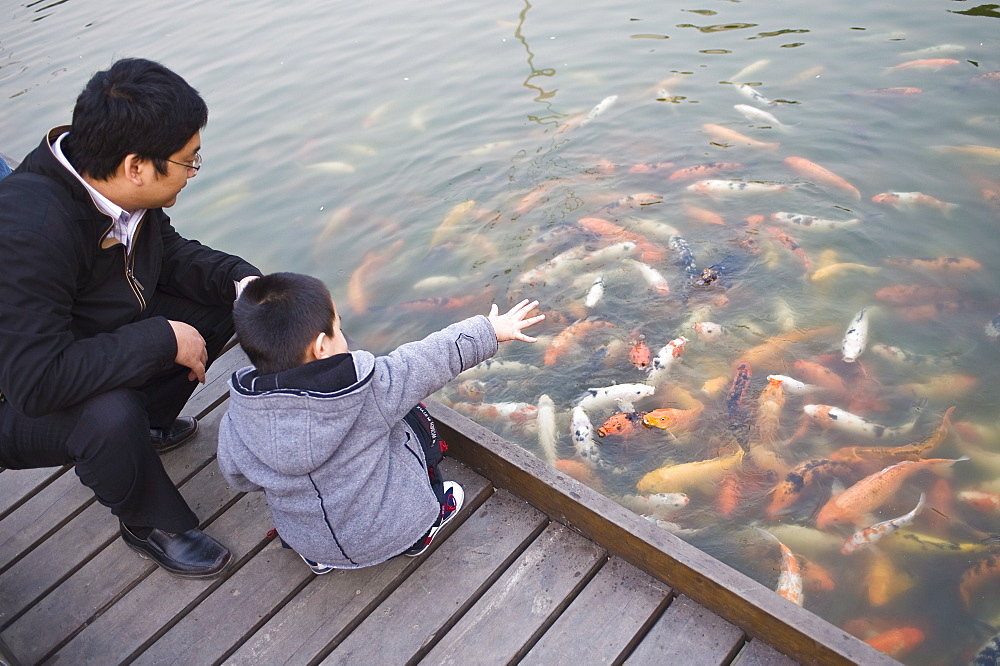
[
  {"x": 316, "y": 567},
  {"x": 454, "y": 497}
]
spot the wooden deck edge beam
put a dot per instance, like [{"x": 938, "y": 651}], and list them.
[{"x": 735, "y": 597}]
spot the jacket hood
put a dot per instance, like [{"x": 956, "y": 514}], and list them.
[{"x": 269, "y": 410}]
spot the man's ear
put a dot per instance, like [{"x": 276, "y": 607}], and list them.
[{"x": 134, "y": 167}]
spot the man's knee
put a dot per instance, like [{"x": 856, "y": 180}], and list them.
[{"x": 115, "y": 420}]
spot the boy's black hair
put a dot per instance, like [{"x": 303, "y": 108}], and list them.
[
  {"x": 136, "y": 106},
  {"x": 278, "y": 316}
]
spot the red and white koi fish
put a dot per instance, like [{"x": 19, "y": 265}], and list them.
[
  {"x": 793, "y": 386},
  {"x": 980, "y": 500},
  {"x": 517, "y": 412},
  {"x": 856, "y": 337},
  {"x": 732, "y": 137},
  {"x": 638, "y": 353},
  {"x": 801, "y": 478},
  {"x": 660, "y": 365},
  {"x": 721, "y": 187},
  {"x": 791, "y": 244},
  {"x": 907, "y": 200},
  {"x": 610, "y": 396},
  {"x": 703, "y": 170},
  {"x": 654, "y": 278},
  {"x": 789, "y": 573},
  {"x": 574, "y": 259},
  {"x": 815, "y": 172},
  {"x": 812, "y": 222},
  {"x": 934, "y": 64},
  {"x": 834, "y": 417},
  {"x": 545, "y": 417},
  {"x": 870, "y": 535}
]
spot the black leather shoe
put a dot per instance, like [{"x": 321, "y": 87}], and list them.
[
  {"x": 168, "y": 439},
  {"x": 191, "y": 554}
]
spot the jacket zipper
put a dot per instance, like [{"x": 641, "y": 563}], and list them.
[{"x": 130, "y": 267}]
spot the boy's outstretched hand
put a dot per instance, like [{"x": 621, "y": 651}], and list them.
[{"x": 508, "y": 326}]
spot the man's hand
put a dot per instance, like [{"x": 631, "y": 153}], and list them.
[
  {"x": 191, "y": 350},
  {"x": 508, "y": 326}
]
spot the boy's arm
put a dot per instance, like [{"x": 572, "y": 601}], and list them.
[{"x": 230, "y": 470}]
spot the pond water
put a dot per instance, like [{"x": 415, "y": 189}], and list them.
[{"x": 421, "y": 158}]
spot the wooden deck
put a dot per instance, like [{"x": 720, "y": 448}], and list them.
[{"x": 537, "y": 569}]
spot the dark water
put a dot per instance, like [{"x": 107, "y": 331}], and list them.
[{"x": 380, "y": 145}]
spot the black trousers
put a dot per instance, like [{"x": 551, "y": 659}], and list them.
[{"x": 107, "y": 436}]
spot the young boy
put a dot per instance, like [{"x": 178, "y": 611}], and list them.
[{"x": 337, "y": 439}]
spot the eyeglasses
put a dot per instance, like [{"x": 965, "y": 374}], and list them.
[{"x": 196, "y": 164}]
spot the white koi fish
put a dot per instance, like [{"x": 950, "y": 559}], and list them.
[
  {"x": 659, "y": 506},
  {"x": 717, "y": 187},
  {"x": 812, "y": 222},
  {"x": 856, "y": 337},
  {"x": 940, "y": 49},
  {"x": 794, "y": 386},
  {"x": 750, "y": 69},
  {"x": 582, "y": 431},
  {"x": 601, "y": 107},
  {"x": 545, "y": 417},
  {"x": 574, "y": 259},
  {"x": 908, "y": 358},
  {"x": 595, "y": 293},
  {"x": 609, "y": 396},
  {"x": 753, "y": 114},
  {"x": 493, "y": 367},
  {"x": 653, "y": 277},
  {"x": 659, "y": 367},
  {"x": 708, "y": 330},
  {"x": 653, "y": 228},
  {"x": 753, "y": 95},
  {"x": 872, "y": 534},
  {"x": 834, "y": 417}
]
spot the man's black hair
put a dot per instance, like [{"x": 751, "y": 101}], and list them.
[
  {"x": 278, "y": 316},
  {"x": 136, "y": 106}
]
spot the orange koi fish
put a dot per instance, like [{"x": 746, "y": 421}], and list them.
[
  {"x": 703, "y": 215},
  {"x": 820, "y": 375},
  {"x": 815, "y": 577},
  {"x": 650, "y": 168},
  {"x": 772, "y": 353},
  {"x": 872, "y": 534},
  {"x": 580, "y": 471},
  {"x": 914, "y": 294},
  {"x": 898, "y": 91},
  {"x": 703, "y": 170},
  {"x": 671, "y": 418},
  {"x": 648, "y": 251},
  {"x": 884, "y": 580},
  {"x": 638, "y": 353},
  {"x": 701, "y": 475},
  {"x": 729, "y": 494},
  {"x": 897, "y": 643},
  {"x": 441, "y": 304},
  {"x": 569, "y": 336},
  {"x": 789, "y": 573},
  {"x": 980, "y": 500},
  {"x": 873, "y": 491},
  {"x": 815, "y": 172},
  {"x": 726, "y": 135},
  {"x": 930, "y": 311},
  {"x": 537, "y": 196},
  {"x": 941, "y": 386},
  {"x": 802, "y": 477},
  {"x": 926, "y": 63},
  {"x": 937, "y": 264},
  {"x": 714, "y": 386},
  {"x": 620, "y": 424},
  {"x": 769, "y": 406},
  {"x": 983, "y": 572},
  {"x": 887, "y": 455},
  {"x": 361, "y": 278},
  {"x": 793, "y": 245}
]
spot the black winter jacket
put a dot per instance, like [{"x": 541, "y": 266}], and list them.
[{"x": 72, "y": 303}]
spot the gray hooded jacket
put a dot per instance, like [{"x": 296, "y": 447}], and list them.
[{"x": 344, "y": 475}]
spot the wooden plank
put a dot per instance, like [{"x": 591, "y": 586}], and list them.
[
  {"x": 88, "y": 533},
  {"x": 151, "y": 607},
  {"x": 505, "y": 622},
  {"x": 688, "y": 633},
  {"x": 74, "y": 602},
  {"x": 18, "y": 484},
  {"x": 606, "y": 621},
  {"x": 329, "y": 608},
  {"x": 413, "y": 617},
  {"x": 759, "y": 653},
  {"x": 735, "y": 597},
  {"x": 216, "y": 387}
]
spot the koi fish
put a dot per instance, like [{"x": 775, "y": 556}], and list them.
[
  {"x": 648, "y": 252},
  {"x": 653, "y": 228},
  {"x": 684, "y": 255},
  {"x": 834, "y": 417},
  {"x": 981, "y": 500},
  {"x": 772, "y": 352},
  {"x": 855, "y": 455},
  {"x": 601, "y": 107},
  {"x": 654, "y": 278},
  {"x": 897, "y": 643},
  {"x": 789, "y": 573},
  {"x": 820, "y": 375},
  {"x": 802, "y": 477},
  {"x": 983, "y": 572},
  {"x": 494, "y": 367},
  {"x": 471, "y": 389},
  {"x": 769, "y": 406},
  {"x": 793, "y": 386},
  {"x": 937, "y": 264},
  {"x": 897, "y": 91},
  {"x": 582, "y": 432},
  {"x": 914, "y": 294},
  {"x": 609, "y": 396},
  {"x": 884, "y": 581},
  {"x": 579, "y": 470},
  {"x": 815, "y": 578},
  {"x": 741, "y": 382},
  {"x": 636, "y": 200},
  {"x": 671, "y": 418},
  {"x": 729, "y": 494},
  {"x": 569, "y": 335},
  {"x": 732, "y": 137},
  {"x": 659, "y": 506},
  {"x": 986, "y": 154},
  {"x": 940, "y": 49},
  {"x": 989, "y": 654},
  {"x": 873, "y": 491},
  {"x": 812, "y": 222},
  {"x": 856, "y": 337},
  {"x": 357, "y": 295},
  {"x": 575, "y": 258},
  {"x": 942, "y": 386},
  {"x": 437, "y": 304},
  {"x": 815, "y": 172},
  {"x": 717, "y": 187},
  {"x": 707, "y": 330},
  {"x": 931, "y": 311},
  {"x": 650, "y": 168},
  {"x": 791, "y": 244},
  {"x": 456, "y": 216},
  {"x": 750, "y": 69},
  {"x": 870, "y": 535},
  {"x": 836, "y": 269},
  {"x": 702, "y": 170},
  {"x": 517, "y": 412},
  {"x": 753, "y": 95},
  {"x": 805, "y": 75},
  {"x": 907, "y": 200},
  {"x": 620, "y": 424},
  {"x": 701, "y": 475},
  {"x": 638, "y": 353},
  {"x": 537, "y": 196},
  {"x": 545, "y": 417},
  {"x": 703, "y": 215},
  {"x": 753, "y": 114},
  {"x": 595, "y": 293},
  {"x": 660, "y": 365},
  {"x": 927, "y": 63}
]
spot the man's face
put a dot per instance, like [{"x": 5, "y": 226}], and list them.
[{"x": 163, "y": 192}]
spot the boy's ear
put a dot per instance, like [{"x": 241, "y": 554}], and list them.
[{"x": 321, "y": 347}]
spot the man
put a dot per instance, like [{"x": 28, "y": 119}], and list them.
[{"x": 107, "y": 315}]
